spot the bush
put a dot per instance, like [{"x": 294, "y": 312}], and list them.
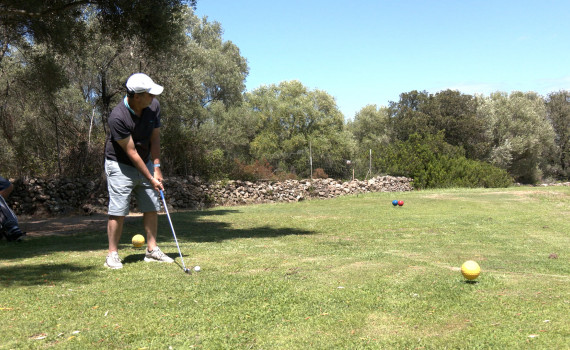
[
  {"x": 252, "y": 172},
  {"x": 215, "y": 168},
  {"x": 319, "y": 173},
  {"x": 433, "y": 163},
  {"x": 258, "y": 170}
]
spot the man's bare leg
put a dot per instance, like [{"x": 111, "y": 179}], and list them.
[
  {"x": 150, "y": 221},
  {"x": 114, "y": 231}
]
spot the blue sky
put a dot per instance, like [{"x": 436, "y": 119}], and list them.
[{"x": 369, "y": 52}]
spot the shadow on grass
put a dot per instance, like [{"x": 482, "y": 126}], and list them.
[
  {"x": 135, "y": 258},
  {"x": 186, "y": 226},
  {"x": 43, "y": 274},
  {"x": 189, "y": 229}
]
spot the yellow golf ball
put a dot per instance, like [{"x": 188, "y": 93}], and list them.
[
  {"x": 138, "y": 241},
  {"x": 470, "y": 270}
]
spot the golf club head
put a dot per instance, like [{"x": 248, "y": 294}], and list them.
[{"x": 187, "y": 270}]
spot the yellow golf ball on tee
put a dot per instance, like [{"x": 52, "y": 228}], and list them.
[
  {"x": 470, "y": 270},
  {"x": 138, "y": 241}
]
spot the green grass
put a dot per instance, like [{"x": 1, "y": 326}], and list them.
[{"x": 348, "y": 273}]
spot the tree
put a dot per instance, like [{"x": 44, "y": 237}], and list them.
[
  {"x": 12, "y": 91},
  {"x": 58, "y": 125},
  {"x": 226, "y": 137},
  {"x": 408, "y": 117},
  {"x": 558, "y": 110},
  {"x": 434, "y": 163},
  {"x": 58, "y": 55},
  {"x": 371, "y": 126},
  {"x": 449, "y": 111},
  {"x": 30, "y": 110},
  {"x": 455, "y": 114},
  {"x": 54, "y": 22},
  {"x": 292, "y": 119},
  {"x": 521, "y": 136},
  {"x": 204, "y": 84},
  {"x": 371, "y": 130},
  {"x": 68, "y": 102}
]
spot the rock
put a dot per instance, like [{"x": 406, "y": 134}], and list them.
[{"x": 89, "y": 196}]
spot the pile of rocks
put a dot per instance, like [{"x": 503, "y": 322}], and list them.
[
  {"x": 566, "y": 184},
  {"x": 59, "y": 196},
  {"x": 244, "y": 192}
]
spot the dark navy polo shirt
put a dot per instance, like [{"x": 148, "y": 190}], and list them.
[{"x": 123, "y": 123}]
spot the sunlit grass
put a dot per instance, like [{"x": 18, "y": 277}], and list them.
[{"x": 352, "y": 273}]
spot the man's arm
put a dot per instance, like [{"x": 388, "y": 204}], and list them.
[
  {"x": 129, "y": 146},
  {"x": 155, "y": 153}
]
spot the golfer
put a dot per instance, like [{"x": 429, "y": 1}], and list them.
[{"x": 132, "y": 165}]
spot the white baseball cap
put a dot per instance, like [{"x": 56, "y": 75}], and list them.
[{"x": 140, "y": 82}]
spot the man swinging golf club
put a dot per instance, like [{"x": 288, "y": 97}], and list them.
[{"x": 132, "y": 165}]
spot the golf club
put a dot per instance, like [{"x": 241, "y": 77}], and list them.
[{"x": 173, "y": 233}]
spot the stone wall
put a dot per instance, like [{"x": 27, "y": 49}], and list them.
[{"x": 66, "y": 196}]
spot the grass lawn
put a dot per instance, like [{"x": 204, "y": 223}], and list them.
[{"x": 348, "y": 273}]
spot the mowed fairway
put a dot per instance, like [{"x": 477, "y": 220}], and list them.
[{"x": 349, "y": 273}]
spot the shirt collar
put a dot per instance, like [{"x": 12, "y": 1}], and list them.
[{"x": 128, "y": 107}]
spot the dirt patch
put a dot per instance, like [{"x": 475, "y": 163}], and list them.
[{"x": 62, "y": 225}]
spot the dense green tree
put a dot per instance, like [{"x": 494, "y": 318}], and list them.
[
  {"x": 12, "y": 101},
  {"x": 204, "y": 83},
  {"x": 408, "y": 116},
  {"x": 31, "y": 118},
  {"x": 55, "y": 57},
  {"x": 455, "y": 114},
  {"x": 520, "y": 135},
  {"x": 226, "y": 137},
  {"x": 67, "y": 99},
  {"x": 434, "y": 163},
  {"x": 449, "y": 111},
  {"x": 295, "y": 121},
  {"x": 55, "y": 22},
  {"x": 371, "y": 126},
  {"x": 230, "y": 129},
  {"x": 372, "y": 131},
  {"x": 558, "y": 109},
  {"x": 66, "y": 110}
]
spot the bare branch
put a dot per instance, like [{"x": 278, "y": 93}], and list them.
[{"x": 14, "y": 12}]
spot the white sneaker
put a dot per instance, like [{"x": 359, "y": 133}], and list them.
[
  {"x": 157, "y": 255},
  {"x": 113, "y": 261}
]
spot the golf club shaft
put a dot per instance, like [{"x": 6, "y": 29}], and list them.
[{"x": 172, "y": 227}]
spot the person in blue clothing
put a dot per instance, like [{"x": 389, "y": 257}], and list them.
[
  {"x": 6, "y": 187},
  {"x": 9, "y": 227},
  {"x": 132, "y": 165}
]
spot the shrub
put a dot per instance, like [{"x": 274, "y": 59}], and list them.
[
  {"x": 252, "y": 172},
  {"x": 258, "y": 170},
  {"x": 319, "y": 173},
  {"x": 283, "y": 175},
  {"x": 215, "y": 168},
  {"x": 433, "y": 163}
]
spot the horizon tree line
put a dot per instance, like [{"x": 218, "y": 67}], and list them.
[{"x": 56, "y": 95}]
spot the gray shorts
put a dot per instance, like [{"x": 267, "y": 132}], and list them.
[{"x": 122, "y": 180}]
